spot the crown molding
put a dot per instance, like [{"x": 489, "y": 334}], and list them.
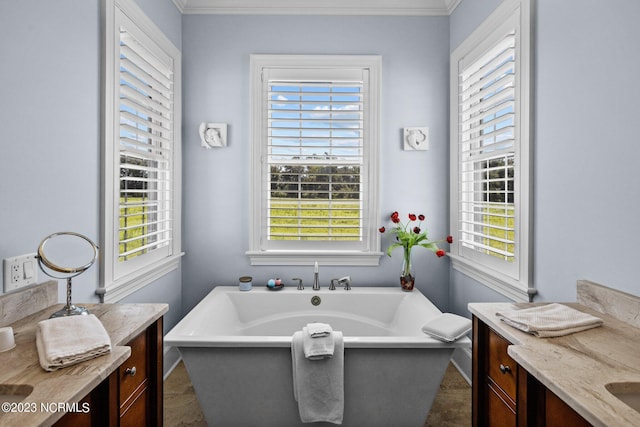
[
  {"x": 315, "y": 7},
  {"x": 180, "y": 4},
  {"x": 451, "y": 5}
]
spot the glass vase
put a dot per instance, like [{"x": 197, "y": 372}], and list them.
[{"x": 407, "y": 275}]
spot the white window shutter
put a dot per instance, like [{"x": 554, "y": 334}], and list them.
[
  {"x": 491, "y": 152},
  {"x": 145, "y": 148},
  {"x": 141, "y": 155},
  {"x": 487, "y": 152},
  {"x": 314, "y": 159}
]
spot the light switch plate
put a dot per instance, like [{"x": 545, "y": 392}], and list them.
[{"x": 20, "y": 271}]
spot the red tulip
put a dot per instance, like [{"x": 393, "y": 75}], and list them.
[
  {"x": 381, "y": 229},
  {"x": 395, "y": 218},
  {"x": 421, "y": 217},
  {"x": 412, "y": 217},
  {"x": 416, "y": 230},
  {"x": 449, "y": 239},
  {"x": 440, "y": 253}
]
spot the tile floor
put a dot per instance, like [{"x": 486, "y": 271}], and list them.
[{"x": 451, "y": 407}]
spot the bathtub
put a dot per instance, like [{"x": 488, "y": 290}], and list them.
[{"x": 236, "y": 347}]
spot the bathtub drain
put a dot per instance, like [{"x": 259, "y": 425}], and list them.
[{"x": 315, "y": 300}]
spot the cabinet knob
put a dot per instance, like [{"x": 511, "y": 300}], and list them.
[
  {"x": 132, "y": 371},
  {"x": 503, "y": 368}
]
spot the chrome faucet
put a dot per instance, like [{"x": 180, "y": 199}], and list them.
[
  {"x": 332, "y": 286},
  {"x": 346, "y": 281},
  {"x": 316, "y": 280},
  {"x": 300, "y": 285}
]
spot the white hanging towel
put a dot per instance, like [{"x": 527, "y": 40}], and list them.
[{"x": 318, "y": 385}]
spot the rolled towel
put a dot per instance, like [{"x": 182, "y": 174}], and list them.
[
  {"x": 317, "y": 348},
  {"x": 316, "y": 330},
  {"x": 447, "y": 327},
  {"x": 550, "y": 320},
  {"x": 65, "y": 341}
]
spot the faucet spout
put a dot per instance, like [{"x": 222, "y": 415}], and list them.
[{"x": 316, "y": 279}]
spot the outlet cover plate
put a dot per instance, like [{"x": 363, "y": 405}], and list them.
[{"x": 20, "y": 271}]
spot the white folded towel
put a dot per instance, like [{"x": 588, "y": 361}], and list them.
[
  {"x": 550, "y": 320},
  {"x": 447, "y": 327},
  {"x": 317, "y": 348},
  {"x": 64, "y": 341},
  {"x": 318, "y": 385},
  {"x": 316, "y": 330}
]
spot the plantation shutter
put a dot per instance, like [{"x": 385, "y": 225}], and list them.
[
  {"x": 487, "y": 152},
  {"x": 315, "y": 161},
  {"x": 146, "y": 142}
]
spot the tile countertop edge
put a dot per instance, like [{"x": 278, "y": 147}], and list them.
[
  {"x": 123, "y": 322},
  {"x": 581, "y": 388}
]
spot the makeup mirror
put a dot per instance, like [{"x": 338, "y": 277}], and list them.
[{"x": 65, "y": 255}]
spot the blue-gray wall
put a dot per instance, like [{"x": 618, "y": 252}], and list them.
[
  {"x": 586, "y": 146},
  {"x": 50, "y": 131},
  {"x": 216, "y": 50}
]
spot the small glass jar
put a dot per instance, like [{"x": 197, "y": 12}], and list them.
[{"x": 244, "y": 283}]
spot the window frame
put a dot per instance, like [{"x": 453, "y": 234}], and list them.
[
  {"x": 369, "y": 254},
  {"x": 121, "y": 278},
  {"x": 514, "y": 281}
]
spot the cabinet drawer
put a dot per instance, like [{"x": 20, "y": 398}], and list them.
[
  {"x": 133, "y": 372},
  {"x": 500, "y": 412},
  {"x": 501, "y": 368},
  {"x": 136, "y": 414}
]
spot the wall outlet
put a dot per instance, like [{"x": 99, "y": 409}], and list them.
[{"x": 20, "y": 271}]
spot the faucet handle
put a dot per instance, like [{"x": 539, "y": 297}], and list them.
[
  {"x": 300, "y": 286},
  {"x": 332, "y": 286},
  {"x": 346, "y": 281}
]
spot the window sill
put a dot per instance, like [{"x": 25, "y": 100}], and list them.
[
  {"x": 351, "y": 258},
  {"x": 127, "y": 285},
  {"x": 504, "y": 285}
]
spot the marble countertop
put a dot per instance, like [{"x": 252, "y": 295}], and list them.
[
  {"x": 576, "y": 367},
  {"x": 20, "y": 366}
]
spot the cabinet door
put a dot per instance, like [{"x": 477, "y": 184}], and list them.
[
  {"x": 559, "y": 414},
  {"x": 79, "y": 418},
  {"x": 102, "y": 404}
]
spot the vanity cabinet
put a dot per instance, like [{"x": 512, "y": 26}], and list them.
[
  {"x": 132, "y": 395},
  {"x": 506, "y": 395}
]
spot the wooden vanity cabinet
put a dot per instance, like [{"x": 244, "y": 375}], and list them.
[
  {"x": 132, "y": 395},
  {"x": 506, "y": 395},
  {"x": 495, "y": 377}
]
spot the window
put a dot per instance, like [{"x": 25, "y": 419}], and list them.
[
  {"x": 314, "y": 157},
  {"x": 141, "y": 152},
  {"x": 490, "y": 152}
]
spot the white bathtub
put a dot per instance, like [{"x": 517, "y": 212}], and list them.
[{"x": 236, "y": 348}]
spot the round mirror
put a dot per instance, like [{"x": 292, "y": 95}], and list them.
[{"x": 65, "y": 255}]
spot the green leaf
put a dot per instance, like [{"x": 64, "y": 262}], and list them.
[{"x": 392, "y": 247}]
